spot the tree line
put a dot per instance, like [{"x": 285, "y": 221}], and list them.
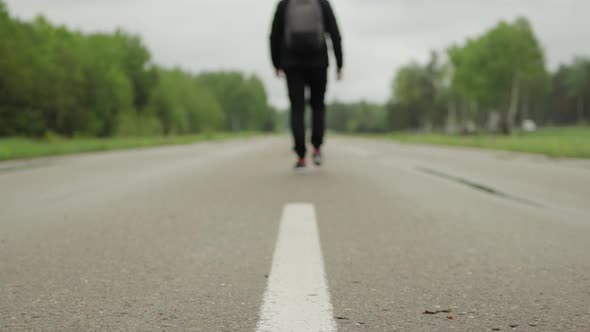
[
  {"x": 493, "y": 82},
  {"x": 54, "y": 80}
]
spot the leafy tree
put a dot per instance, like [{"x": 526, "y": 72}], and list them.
[
  {"x": 183, "y": 106},
  {"x": 53, "y": 80},
  {"x": 362, "y": 117},
  {"x": 244, "y": 100},
  {"x": 578, "y": 84},
  {"x": 493, "y": 71},
  {"x": 419, "y": 94}
]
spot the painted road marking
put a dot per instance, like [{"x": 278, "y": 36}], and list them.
[{"x": 297, "y": 297}]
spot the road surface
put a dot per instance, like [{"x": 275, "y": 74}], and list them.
[{"x": 227, "y": 237}]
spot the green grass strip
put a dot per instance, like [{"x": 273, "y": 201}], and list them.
[
  {"x": 572, "y": 142},
  {"x": 25, "y": 148}
]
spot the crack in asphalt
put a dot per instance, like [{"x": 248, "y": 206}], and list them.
[
  {"x": 478, "y": 186},
  {"x": 11, "y": 166}
]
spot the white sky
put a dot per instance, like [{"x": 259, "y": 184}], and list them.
[{"x": 378, "y": 35}]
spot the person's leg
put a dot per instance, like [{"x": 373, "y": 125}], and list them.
[
  {"x": 318, "y": 79},
  {"x": 296, "y": 85}
]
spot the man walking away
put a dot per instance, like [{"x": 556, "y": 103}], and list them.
[{"x": 299, "y": 50}]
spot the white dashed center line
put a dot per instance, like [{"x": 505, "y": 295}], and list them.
[{"x": 297, "y": 297}]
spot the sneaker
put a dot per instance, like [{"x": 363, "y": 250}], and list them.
[
  {"x": 300, "y": 164},
  {"x": 317, "y": 157}
]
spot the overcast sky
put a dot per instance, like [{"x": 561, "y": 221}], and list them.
[{"x": 378, "y": 35}]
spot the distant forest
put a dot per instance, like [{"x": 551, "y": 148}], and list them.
[
  {"x": 57, "y": 81},
  {"x": 492, "y": 83},
  {"x": 54, "y": 80}
]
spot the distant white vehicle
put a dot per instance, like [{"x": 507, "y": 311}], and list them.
[{"x": 529, "y": 126}]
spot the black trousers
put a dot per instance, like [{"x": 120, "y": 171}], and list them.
[{"x": 316, "y": 78}]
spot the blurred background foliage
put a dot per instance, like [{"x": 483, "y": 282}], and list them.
[
  {"x": 491, "y": 83},
  {"x": 54, "y": 81}
]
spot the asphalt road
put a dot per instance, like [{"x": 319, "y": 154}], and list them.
[{"x": 183, "y": 239}]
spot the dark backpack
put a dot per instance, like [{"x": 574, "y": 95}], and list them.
[{"x": 304, "y": 26}]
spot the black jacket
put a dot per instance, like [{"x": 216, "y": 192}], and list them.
[{"x": 283, "y": 59}]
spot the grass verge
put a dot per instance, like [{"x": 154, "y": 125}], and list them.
[
  {"x": 24, "y": 148},
  {"x": 572, "y": 142}
]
